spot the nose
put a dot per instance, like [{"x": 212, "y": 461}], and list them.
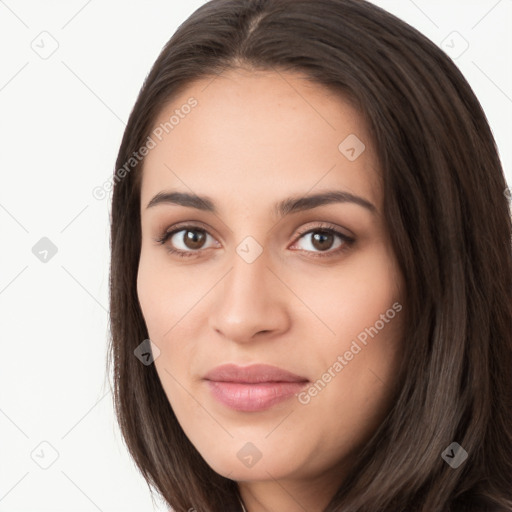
[{"x": 250, "y": 300}]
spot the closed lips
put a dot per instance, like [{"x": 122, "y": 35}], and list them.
[
  {"x": 252, "y": 388},
  {"x": 256, "y": 373}
]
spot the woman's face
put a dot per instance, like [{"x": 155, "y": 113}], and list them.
[{"x": 262, "y": 282}]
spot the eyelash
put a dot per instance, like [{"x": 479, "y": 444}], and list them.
[{"x": 324, "y": 228}]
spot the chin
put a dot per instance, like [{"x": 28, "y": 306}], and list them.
[{"x": 230, "y": 464}]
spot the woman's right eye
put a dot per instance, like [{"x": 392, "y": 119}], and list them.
[{"x": 190, "y": 238}]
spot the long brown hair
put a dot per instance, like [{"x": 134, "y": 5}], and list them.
[{"x": 447, "y": 210}]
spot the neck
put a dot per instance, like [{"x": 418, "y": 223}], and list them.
[{"x": 312, "y": 495}]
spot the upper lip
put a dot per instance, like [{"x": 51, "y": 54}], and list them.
[{"x": 252, "y": 374}]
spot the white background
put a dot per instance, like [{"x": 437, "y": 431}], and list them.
[{"x": 61, "y": 122}]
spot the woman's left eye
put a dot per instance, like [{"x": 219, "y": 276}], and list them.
[{"x": 321, "y": 241}]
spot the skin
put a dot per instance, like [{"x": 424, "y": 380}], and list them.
[{"x": 256, "y": 138}]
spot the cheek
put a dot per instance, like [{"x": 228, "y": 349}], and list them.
[
  {"x": 170, "y": 299},
  {"x": 352, "y": 298},
  {"x": 164, "y": 312},
  {"x": 362, "y": 305},
  {"x": 150, "y": 291},
  {"x": 162, "y": 293}
]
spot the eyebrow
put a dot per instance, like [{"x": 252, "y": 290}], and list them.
[{"x": 282, "y": 208}]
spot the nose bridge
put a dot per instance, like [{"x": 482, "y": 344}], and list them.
[
  {"x": 249, "y": 259},
  {"x": 248, "y": 300},
  {"x": 247, "y": 281}
]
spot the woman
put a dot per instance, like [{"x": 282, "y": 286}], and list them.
[{"x": 311, "y": 269}]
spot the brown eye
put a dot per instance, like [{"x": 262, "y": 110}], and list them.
[
  {"x": 193, "y": 238},
  {"x": 322, "y": 240},
  {"x": 186, "y": 241}
]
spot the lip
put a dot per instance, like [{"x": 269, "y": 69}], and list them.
[{"x": 252, "y": 388}]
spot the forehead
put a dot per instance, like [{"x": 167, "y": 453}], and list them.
[{"x": 259, "y": 133}]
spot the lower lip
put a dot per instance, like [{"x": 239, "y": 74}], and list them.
[{"x": 253, "y": 397}]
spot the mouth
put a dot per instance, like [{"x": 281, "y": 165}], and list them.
[{"x": 253, "y": 388}]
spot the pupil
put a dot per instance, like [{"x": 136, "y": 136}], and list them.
[
  {"x": 320, "y": 239},
  {"x": 194, "y": 239}
]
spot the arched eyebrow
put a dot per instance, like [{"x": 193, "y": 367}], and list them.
[{"x": 282, "y": 208}]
